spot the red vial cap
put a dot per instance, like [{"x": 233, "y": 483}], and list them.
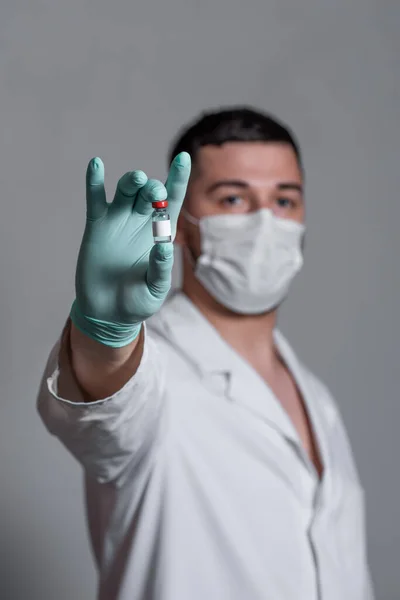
[{"x": 160, "y": 204}]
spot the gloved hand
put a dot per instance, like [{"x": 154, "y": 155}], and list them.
[{"x": 122, "y": 277}]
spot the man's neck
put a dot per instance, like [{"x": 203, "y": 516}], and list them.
[{"x": 250, "y": 335}]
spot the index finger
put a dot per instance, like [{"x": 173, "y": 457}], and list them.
[
  {"x": 176, "y": 184},
  {"x": 96, "y": 203}
]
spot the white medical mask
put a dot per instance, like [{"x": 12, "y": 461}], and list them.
[{"x": 248, "y": 261}]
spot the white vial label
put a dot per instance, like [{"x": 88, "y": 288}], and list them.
[{"x": 161, "y": 228}]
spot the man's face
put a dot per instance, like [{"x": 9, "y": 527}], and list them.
[{"x": 242, "y": 177}]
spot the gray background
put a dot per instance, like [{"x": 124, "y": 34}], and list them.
[{"x": 114, "y": 79}]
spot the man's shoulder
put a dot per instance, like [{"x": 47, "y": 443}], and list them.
[{"x": 168, "y": 317}]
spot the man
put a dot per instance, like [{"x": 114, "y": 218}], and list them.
[{"x": 216, "y": 465}]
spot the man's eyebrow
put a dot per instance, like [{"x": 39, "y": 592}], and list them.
[
  {"x": 227, "y": 183},
  {"x": 290, "y": 185},
  {"x": 284, "y": 185}
]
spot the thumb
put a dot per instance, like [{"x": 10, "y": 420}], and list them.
[{"x": 159, "y": 271}]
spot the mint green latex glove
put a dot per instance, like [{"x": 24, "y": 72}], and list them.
[{"x": 122, "y": 277}]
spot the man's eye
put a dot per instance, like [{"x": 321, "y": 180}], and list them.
[
  {"x": 232, "y": 201},
  {"x": 286, "y": 203}
]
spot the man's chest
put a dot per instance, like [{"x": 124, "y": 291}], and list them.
[{"x": 287, "y": 393}]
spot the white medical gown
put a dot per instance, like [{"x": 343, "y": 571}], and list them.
[{"x": 197, "y": 484}]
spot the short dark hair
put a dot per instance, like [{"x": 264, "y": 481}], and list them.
[{"x": 234, "y": 124}]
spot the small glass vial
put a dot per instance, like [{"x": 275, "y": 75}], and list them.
[{"x": 161, "y": 222}]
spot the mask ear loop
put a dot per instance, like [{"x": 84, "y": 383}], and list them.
[
  {"x": 186, "y": 215},
  {"x": 189, "y": 217},
  {"x": 190, "y": 257}
]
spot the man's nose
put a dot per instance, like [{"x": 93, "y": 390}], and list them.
[{"x": 261, "y": 198}]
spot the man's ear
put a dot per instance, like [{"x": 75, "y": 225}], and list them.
[{"x": 180, "y": 235}]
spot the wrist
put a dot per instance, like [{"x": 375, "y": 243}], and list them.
[
  {"x": 100, "y": 370},
  {"x": 104, "y": 333},
  {"x": 89, "y": 351}
]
